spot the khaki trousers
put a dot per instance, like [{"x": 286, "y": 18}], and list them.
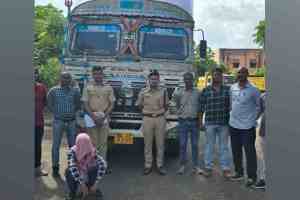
[
  {"x": 99, "y": 136},
  {"x": 154, "y": 128}
]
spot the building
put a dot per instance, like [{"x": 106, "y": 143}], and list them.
[{"x": 235, "y": 58}]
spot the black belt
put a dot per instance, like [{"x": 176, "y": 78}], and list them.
[
  {"x": 65, "y": 120},
  {"x": 154, "y": 115},
  {"x": 188, "y": 119}
]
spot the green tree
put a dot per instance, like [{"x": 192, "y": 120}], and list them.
[
  {"x": 261, "y": 71},
  {"x": 259, "y": 35},
  {"x": 50, "y": 72},
  {"x": 225, "y": 68},
  {"x": 48, "y": 41}
]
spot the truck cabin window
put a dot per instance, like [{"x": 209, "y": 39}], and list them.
[
  {"x": 102, "y": 40},
  {"x": 163, "y": 43}
]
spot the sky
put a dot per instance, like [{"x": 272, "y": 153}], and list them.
[{"x": 226, "y": 23}]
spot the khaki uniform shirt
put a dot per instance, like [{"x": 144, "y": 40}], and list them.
[
  {"x": 153, "y": 101},
  {"x": 98, "y": 97}
]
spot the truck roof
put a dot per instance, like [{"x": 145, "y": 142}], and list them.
[{"x": 146, "y": 8}]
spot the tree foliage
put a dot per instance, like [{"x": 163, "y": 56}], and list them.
[
  {"x": 259, "y": 35},
  {"x": 261, "y": 71},
  {"x": 208, "y": 64},
  {"x": 48, "y": 33},
  {"x": 48, "y": 41},
  {"x": 50, "y": 71}
]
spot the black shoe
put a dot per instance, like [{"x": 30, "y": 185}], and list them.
[
  {"x": 147, "y": 170},
  {"x": 250, "y": 182},
  {"x": 261, "y": 184},
  {"x": 108, "y": 170},
  {"x": 237, "y": 177},
  {"x": 70, "y": 196},
  {"x": 55, "y": 172},
  {"x": 208, "y": 172},
  {"x": 99, "y": 195},
  {"x": 162, "y": 171}
]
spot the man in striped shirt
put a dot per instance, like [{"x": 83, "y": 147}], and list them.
[{"x": 63, "y": 101}]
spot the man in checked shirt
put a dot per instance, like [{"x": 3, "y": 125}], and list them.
[
  {"x": 63, "y": 101},
  {"x": 85, "y": 169},
  {"x": 215, "y": 104}
]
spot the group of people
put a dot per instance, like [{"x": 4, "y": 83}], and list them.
[
  {"x": 223, "y": 112},
  {"x": 87, "y": 151}
]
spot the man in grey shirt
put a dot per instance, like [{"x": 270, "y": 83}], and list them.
[
  {"x": 245, "y": 109},
  {"x": 187, "y": 102}
]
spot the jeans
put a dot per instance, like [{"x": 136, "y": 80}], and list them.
[
  {"x": 73, "y": 185},
  {"x": 212, "y": 132},
  {"x": 39, "y": 133},
  {"x": 185, "y": 127},
  {"x": 58, "y": 127},
  {"x": 239, "y": 139}
]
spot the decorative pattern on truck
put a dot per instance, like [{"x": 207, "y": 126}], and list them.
[
  {"x": 132, "y": 7},
  {"x": 132, "y": 4},
  {"x": 130, "y": 29}
]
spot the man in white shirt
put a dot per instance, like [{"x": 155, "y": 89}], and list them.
[{"x": 245, "y": 109}]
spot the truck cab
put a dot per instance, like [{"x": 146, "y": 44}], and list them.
[{"x": 129, "y": 39}]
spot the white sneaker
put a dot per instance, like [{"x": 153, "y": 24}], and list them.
[
  {"x": 198, "y": 170},
  {"x": 181, "y": 170}
]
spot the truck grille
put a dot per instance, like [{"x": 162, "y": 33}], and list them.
[
  {"x": 124, "y": 104},
  {"x": 126, "y": 97}
]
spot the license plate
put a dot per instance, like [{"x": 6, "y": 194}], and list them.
[{"x": 123, "y": 138}]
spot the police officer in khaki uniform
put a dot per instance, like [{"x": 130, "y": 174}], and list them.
[
  {"x": 153, "y": 102},
  {"x": 98, "y": 101}
]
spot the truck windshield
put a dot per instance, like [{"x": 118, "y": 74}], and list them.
[
  {"x": 163, "y": 43},
  {"x": 100, "y": 40}
]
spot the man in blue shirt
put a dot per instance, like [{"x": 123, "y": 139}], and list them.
[
  {"x": 63, "y": 101},
  {"x": 245, "y": 109}
]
